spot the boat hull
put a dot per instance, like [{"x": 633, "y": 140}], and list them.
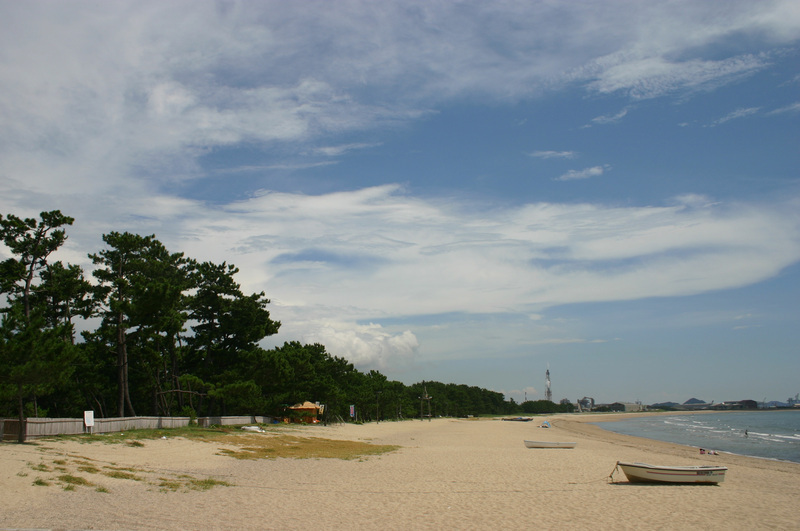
[
  {"x": 548, "y": 444},
  {"x": 644, "y": 473}
]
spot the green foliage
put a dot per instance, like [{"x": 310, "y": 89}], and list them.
[
  {"x": 459, "y": 400},
  {"x": 545, "y": 406},
  {"x": 35, "y": 352},
  {"x": 31, "y": 242}
]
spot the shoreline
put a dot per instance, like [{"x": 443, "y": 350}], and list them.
[
  {"x": 618, "y": 417},
  {"x": 446, "y": 473}
]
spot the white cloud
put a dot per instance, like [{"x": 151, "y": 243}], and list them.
[
  {"x": 366, "y": 346},
  {"x": 97, "y": 96},
  {"x": 105, "y": 105},
  {"x": 554, "y": 154},
  {"x": 738, "y": 113},
  {"x": 610, "y": 119},
  {"x": 290, "y": 166},
  {"x": 651, "y": 77},
  {"x": 118, "y": 82},
  {"x": 794, "y": 107},
  {"x": 335, "y": 151},
  {"x": 331, "y": 261},
  {"x": 586, "y": 173},
  {"x": 388, "y": 254}
]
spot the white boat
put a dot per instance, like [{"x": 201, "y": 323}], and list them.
[
  {"x": 549, "y": 444},
  {"x": 644, "y": 473}
]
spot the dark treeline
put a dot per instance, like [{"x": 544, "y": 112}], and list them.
[{"x": 167, "y": 335}]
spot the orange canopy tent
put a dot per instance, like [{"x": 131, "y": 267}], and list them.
[{"x": 306, "y": 412}]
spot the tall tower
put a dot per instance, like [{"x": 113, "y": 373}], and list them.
[{"x": 548, "y": 394}]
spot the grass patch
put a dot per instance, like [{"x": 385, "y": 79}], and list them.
[
  {"x": 206, "y": 484},
  {"x": 121, "y": 474},
  {"x": 293, "y": 447},
  {"x": 274, "y": 442},
  {"x": 70, "y": 480},
  {"x": 270, "y": 445},
  {"x": 133, "y": 437},
  {"x": 166, "y": 484},
  {"x": 122, "y": 468},
  {"x": 189, "y": 483}
]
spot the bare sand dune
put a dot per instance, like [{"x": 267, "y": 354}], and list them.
[{"x": 453, "y": 474}]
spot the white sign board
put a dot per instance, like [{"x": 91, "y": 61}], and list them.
[{"x": 88, "y": 418}]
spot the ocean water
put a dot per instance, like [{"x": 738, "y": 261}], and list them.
[{"x": 765, "y": 434}]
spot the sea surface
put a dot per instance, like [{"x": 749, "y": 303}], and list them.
[{"x": 765, "y": 434}]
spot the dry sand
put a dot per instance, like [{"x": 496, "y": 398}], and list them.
[{"x": 448, "y": 474}]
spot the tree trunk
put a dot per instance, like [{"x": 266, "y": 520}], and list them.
[
  {"x": 22, "y": 427},
  {"x": 127, "y": 387},
  {"x": 121, "y": 365}
]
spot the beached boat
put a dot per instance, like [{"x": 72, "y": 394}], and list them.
[
  {"x": 644, "y": 473},
  {"x": 549, "y": 444}
]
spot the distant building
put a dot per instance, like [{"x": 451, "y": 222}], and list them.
[
  {"x": 625, "y": 407},
  {"x": 697, "y": 405},
  {"x": 737, "y": 404}
]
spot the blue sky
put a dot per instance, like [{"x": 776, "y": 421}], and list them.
[{"x": 467, "y": 192}]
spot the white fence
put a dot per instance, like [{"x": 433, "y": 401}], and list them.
[{"x": 47, "y": 427}]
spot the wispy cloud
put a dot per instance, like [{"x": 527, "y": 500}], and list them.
[
  {"x": 335, "y": 151},
  {"x": 586, "y": 173},
  {"x": 554, "y": 154},
  {"x": 610, "y": 119},
  {"x": 794, "y": 107},
  {"x": 603, "y": 253},
  {"x": 734, "y": 115},
  {"x": 282, "y": 166},
  {"x": 127, "y": 79},
  {"x": 655, "y": 76}
]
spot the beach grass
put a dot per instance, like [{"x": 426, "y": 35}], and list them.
[
  {"x": 294, "y": 447},
  {"x": 274, "y": 442}
]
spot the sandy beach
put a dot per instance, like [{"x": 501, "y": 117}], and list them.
[{"x": 446, "y": 473}]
